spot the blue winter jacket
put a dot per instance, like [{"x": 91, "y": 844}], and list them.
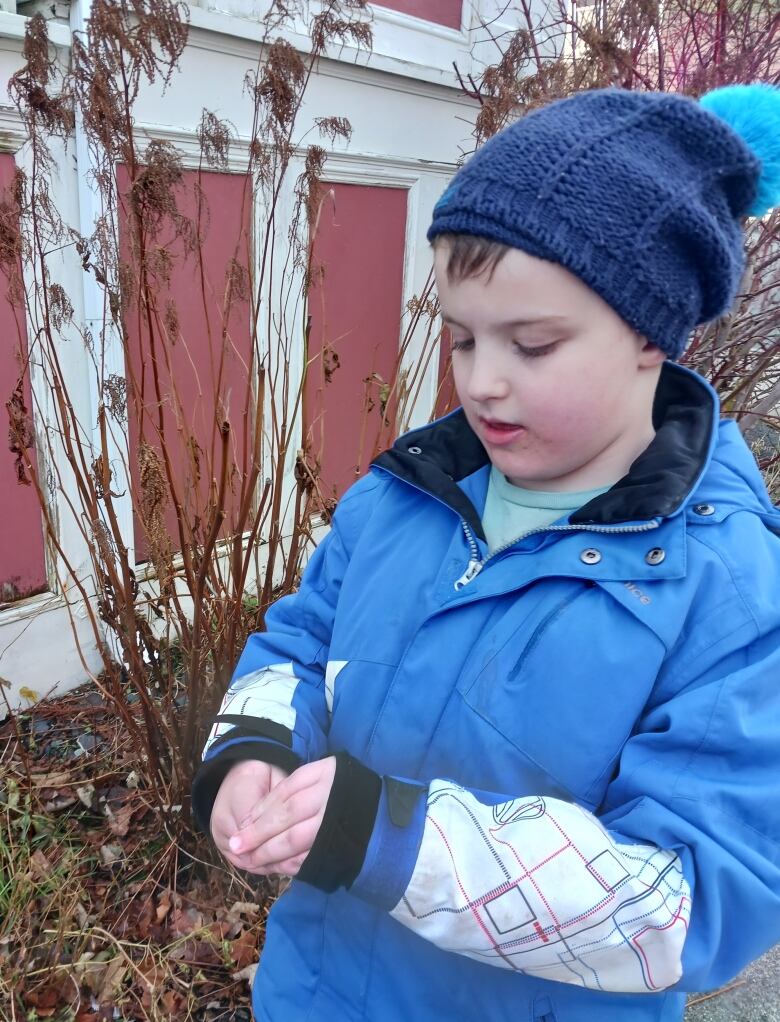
[{"x": 558, "y": 786}]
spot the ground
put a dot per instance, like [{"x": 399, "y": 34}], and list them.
[{"x": 753, "y": 997}]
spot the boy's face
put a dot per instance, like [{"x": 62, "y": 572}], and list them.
[{"x": 555, "y": 384}]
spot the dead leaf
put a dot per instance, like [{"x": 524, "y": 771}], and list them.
[
  {"x": 112, "y": 980},
  {"x": 185, "y": 920},
  {"x": 236, "y": 917},
  {"x": 247, "y": 973},
  {"x": 243, "y": 950},
  {"x": 54, "y": 779},
  {"x": 63, "y": 802},
  {"x": 119, "y": 819},
  {"x": 201, "y": 951},
  {"x": 40, "y": 866},
  {"x": 163, "y": 906},
  {"x": 173, "y": 1002},
  {"x": 45, "y": 1000},
  {"x": 29, "y": 694},
  {"x": 90, "y": 969},
  {"x": 111, "y": 854},
  {"x": 87, "y": 794},
  {"x": 247, "y": 908}
]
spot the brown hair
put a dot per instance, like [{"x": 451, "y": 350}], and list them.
[{"x": 470, "y": 255}]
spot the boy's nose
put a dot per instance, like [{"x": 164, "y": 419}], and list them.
[{"x": 487, "y": 379}]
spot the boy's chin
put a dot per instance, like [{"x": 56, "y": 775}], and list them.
[{"x": 534, "y": 477}]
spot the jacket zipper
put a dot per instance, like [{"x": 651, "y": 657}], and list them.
[{"x": 476, "y": 565}]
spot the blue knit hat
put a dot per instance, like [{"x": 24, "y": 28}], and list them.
[{"x": 640, "y": 194}]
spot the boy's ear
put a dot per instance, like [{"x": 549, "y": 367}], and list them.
[{"x": 650, "y": 354}]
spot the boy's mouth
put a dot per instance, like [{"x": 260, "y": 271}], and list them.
[{"x": 497, "y": 432}]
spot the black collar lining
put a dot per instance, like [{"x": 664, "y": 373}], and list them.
[{"x": 655, "y": 486}]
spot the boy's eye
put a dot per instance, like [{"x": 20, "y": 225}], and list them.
[
  {"x": 467, "y": 343},
  {"x": 538, "y": 352},
  {"x": 463, "y": 345}
]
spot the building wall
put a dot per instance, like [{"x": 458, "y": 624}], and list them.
[{"x": 410, "y": 124}]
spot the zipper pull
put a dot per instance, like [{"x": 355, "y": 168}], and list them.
[{"x": 471, "y": 572}]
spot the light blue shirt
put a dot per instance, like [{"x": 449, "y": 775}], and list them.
[{"x": 512, "y": 511}]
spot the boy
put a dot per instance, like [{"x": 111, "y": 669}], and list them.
[{"x": 518, "y": 733}]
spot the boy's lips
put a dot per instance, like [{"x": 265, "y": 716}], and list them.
[{"x": 497, "y": 432}]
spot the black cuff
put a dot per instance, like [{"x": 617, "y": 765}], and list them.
[
  {"x": 336, "y": 857},
  {"x": 211, "y": 774}
]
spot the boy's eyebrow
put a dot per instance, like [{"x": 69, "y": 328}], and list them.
[{"x": 513, "y": 322}]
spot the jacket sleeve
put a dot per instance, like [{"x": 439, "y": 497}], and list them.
[
  {"x": 276, "y": 708},
  {"x": 675, "y": 881}
]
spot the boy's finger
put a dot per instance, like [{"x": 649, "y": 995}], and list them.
[
  {"x": 275, "y": 816},
  {"x": 268, "y": 801},
  {"x": 306, "y": 777},
  {"x": 296, "y": 841}
]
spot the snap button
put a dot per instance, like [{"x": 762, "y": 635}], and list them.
[
  {"x": 590, "y": 556},
  {"x": 414, "y": 450},
  {"x": 704, "y": 509},
  {"x": 655, "y": 556}
]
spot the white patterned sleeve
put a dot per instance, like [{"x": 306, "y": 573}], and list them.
[{"x": 536, "y": 885}]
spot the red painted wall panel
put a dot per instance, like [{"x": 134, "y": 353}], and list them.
[
  {"x": 22, "y": 561},
  {"x": 195, "y": 368},
  {"x": 441, "y": 12},
  {"x": 355, "y": 308},
  {"x": 446, "y": 396}
]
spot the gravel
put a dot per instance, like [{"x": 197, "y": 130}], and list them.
[{"x": 756, "y": 999}]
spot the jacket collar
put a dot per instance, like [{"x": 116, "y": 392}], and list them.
[{"x": 436, "y": 457}]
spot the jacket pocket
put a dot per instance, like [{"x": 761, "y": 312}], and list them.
[{"x": 564, "y": 687}]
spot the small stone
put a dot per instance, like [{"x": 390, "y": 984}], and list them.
[
  {"x": 110, "y": 854},
  {"x": 40, "y": 727},
  {"x": 87, "y": 743}
]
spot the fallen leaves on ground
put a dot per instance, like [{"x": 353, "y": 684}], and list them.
[{"x": 107, "y": 917}]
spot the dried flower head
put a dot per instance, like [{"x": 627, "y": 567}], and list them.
[
  {"x": 37, "y": 88},
  {"x": 115, "y": 390},
  {"x": 343, "y": 22},
  {"x": 171, "y": 321},
  {"x": 280, "y": 83},
  {"x": 60, "y": 307},
  {"x": 154, "y": 498},
  {"x": 10, "y": 235},
  {"x": 307, "y": 187},
  {"x": 21, "y": 436},
  {"x": 214, "y": 138},
  {"x": 238, "y": 285},
  {"x": 334, "y": 127}
]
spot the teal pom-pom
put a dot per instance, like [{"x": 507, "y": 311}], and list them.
[{"x": 753, "y": 112}]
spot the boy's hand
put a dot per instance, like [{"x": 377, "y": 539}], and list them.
[
  {"x": 244, "y": 787},
  {"x": 283, "y": 828}
]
